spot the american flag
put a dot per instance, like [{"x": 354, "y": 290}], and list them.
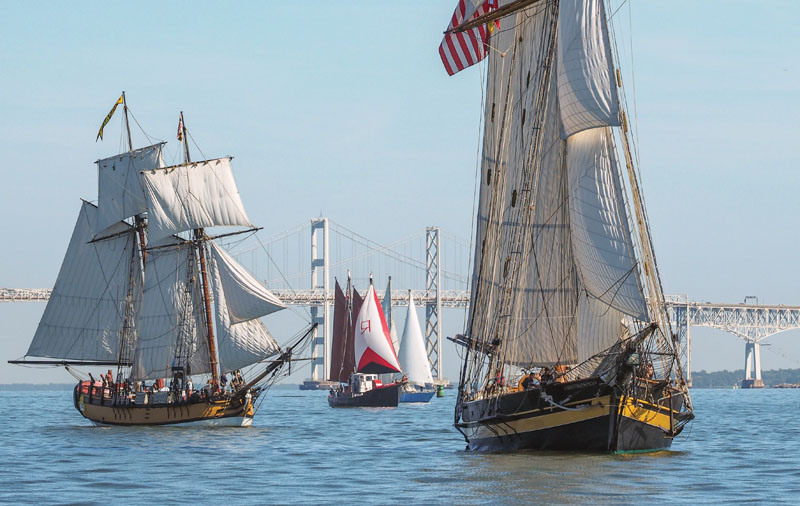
[
  {"x": 180, "y": 129},
  {"x": 462, "y": 49}
]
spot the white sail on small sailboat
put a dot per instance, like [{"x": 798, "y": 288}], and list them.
[{"x": 414, "y": 359}]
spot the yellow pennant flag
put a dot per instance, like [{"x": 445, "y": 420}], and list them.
[{"x": 108, "y": 118}]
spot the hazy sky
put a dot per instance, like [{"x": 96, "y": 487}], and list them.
[{"x": 343, "y": 109}]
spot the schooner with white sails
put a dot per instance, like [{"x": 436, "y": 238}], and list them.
[
  {"x": 568, "y": 344},
  {"x": 145, "y": 289}
]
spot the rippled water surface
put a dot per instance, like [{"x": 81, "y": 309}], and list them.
[{"x": 743, "y": 447}]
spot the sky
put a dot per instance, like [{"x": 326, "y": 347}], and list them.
[{"x": 343, "y": 109}]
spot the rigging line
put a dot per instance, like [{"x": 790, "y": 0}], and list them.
[
  {"x": 616, "y": 10},
  {"x": 307, "y": 311},
  {"x": 149, "y": 139}
]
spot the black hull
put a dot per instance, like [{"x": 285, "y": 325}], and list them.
[
  {"x": 579, "y": 416},
  {"x": 382, "y": 397}
]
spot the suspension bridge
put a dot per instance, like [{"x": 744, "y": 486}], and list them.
[{"x": 416, "y": 266}]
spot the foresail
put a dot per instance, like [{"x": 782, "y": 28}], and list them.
[
  {"x": 245, "y": 297},
  {"x": 587, "y": 90},
  {"x": 238, "y": 344},
  {"x": 193, "y": 195},
  {"x": 172, "y": 328},
  {"x": 120, "y": 193},
  {"x": 413, "y": 357},
  {"x": 373, "y": 344},
  {"x": 84, "y": 317},
  {"x": 601, "y": 236}
]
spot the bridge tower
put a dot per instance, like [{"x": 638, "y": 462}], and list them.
[
  {"x": 320, "y": 312},
  {"x": 433, "y": 308}
]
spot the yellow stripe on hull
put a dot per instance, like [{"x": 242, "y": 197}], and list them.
[
  {"x": 598, "y": 407},
  {"x": 646, "y": 413}
]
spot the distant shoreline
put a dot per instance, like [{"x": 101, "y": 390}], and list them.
[{"x": 28, "y": 387}]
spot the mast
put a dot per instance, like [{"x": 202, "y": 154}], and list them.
[
  {"x": 127, "y": 123},
  {"x": 138, "y": 220},
  {"x": 200, "y": 238}
]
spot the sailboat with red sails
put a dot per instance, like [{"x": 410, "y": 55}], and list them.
[{"x": 361, "y": 350}]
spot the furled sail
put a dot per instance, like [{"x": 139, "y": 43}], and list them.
[
  {"x": 341, "y": 331},
  {"x": 587, "y": 90},
  {"x": 413, "y": 357},
  {"x": 172, "y": 328},
  {"x": 524, "y": 285},
  {"x": 86, "y": 312},
  {"x": 243, "y": 340},
  {"x": 192, "y": 195},
  {"x": 601, "y": 237},
  {"x": 120, "y": 193},
  {"x": 373, "y": 344},
  {"x": 245, "y": 297}
]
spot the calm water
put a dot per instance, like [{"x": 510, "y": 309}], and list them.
[{"x": 743, "y": 447}]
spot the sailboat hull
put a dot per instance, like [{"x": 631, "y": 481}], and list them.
[
  {"x": 387, "y": 396},
  {"x": 577, "y": 416},
  {"x": 223, "y": 412}
]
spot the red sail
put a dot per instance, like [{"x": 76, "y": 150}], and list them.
[
  {"x": 341, "y": 327},
  {"x": 373, "y": 344}
]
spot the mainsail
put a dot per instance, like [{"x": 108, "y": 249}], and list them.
[
  {"x": 172, "y": 327},
  {"x": 373, "y": 343},
  {"x": 86, "y": 314},
  {"x": 413, "y": 357}
]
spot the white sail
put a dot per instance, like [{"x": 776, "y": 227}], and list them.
[
  {"x": 524, "y": 285},
  {"x": 172, "y": 327},
  {"x": 245, "y": 297},
  {"x": 393, "y": 334},
  {"x": 373, "y": 344},
  {"x": 599, "y": 327},
  {"x": 601, "y": 237},
  {"x": 413, "y": 357},
  {"x": 84, "y": 317},
  {"x": 120, "y": 193},
  {"x": 238, "y": 344},
  {"x": 586, "y": 87},
  {"x": 193, "y": 195}
]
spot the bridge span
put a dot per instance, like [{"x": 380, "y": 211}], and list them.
[{"x": 753, "y": 322}]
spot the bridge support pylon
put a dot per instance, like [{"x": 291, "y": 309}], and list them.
[
  {"x": 752, "y": 365},
  {"x": 320, "y": 314}
]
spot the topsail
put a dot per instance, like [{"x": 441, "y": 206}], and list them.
[
  {"x": 191, "y": 196},
  {"x": 120, "y": 193}
]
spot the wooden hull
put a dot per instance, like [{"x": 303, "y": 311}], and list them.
[
  {"x": 223, "y": 412},
  {"x": 581, "y": 416},
  {"x": 387, "y": 396}
]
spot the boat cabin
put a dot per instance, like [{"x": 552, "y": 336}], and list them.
[{"x": 361, "y": 382}]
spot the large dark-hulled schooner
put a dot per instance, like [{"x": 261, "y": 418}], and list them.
[
  {"x": 135, "y": 293},
  {"x": 568, "y": 345}
]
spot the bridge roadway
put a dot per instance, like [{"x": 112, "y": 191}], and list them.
[{"x": 751, "y": 322}]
